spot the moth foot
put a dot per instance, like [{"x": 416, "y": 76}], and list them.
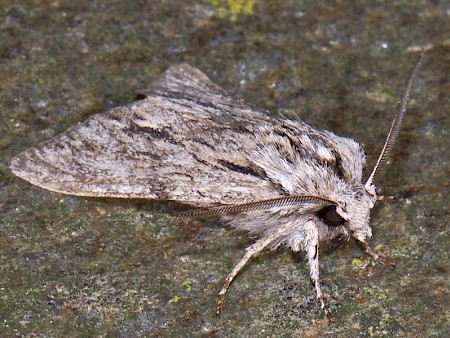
[
  {"x": 220, "y": 302},
  {"x": 377, "y": 257},
  {"x": 326, "y": 309},
  {"x": 330, "y": 317},
  {"x": 386, "y": 262}
]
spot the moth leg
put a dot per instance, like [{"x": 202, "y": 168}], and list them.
[
  {"x": 252, "y": 250},
  {"x": 374, "y": 255},
  {"x": 312, "y": 254}
]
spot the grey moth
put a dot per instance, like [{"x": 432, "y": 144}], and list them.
[{"x": 282, "y": 181}]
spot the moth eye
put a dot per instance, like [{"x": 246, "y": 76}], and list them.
[
  {"x": 330, "y": 216},
  {"x": 140, "y": 97}
]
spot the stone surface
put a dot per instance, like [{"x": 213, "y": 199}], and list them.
[{"x": 103, "y": 267}]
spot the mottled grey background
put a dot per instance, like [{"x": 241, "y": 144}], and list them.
[{"x": 116, "y": 268}]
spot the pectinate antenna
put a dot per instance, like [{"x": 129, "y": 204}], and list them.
[
  {"x": 397, "y": 123},
  {"x": 278, "y": 202}
]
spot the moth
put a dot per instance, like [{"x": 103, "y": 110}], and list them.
[{"x": 282, "y": 181}]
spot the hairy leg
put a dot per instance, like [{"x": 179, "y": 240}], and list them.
[
  {"x": 312, "y": 254},
  {"x": 252, "y": 250}
]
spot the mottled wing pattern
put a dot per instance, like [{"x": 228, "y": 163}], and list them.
[
  {"x": 188, "y": 141},
  {"x": 185, "y": 141}
]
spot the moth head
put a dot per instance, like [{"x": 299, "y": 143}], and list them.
[
  {"x": 350, "y": 215},
  {"x": 355, "y": 212}
]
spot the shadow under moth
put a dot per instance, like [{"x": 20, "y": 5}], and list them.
[{"x": 187, "y": 140}]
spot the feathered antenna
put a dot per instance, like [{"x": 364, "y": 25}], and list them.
[
  {"x": 397, "y": 123},
  {"x": 278, "y": 202}
]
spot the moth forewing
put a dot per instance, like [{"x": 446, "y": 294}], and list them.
[{"x": 188, "y": 141}]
